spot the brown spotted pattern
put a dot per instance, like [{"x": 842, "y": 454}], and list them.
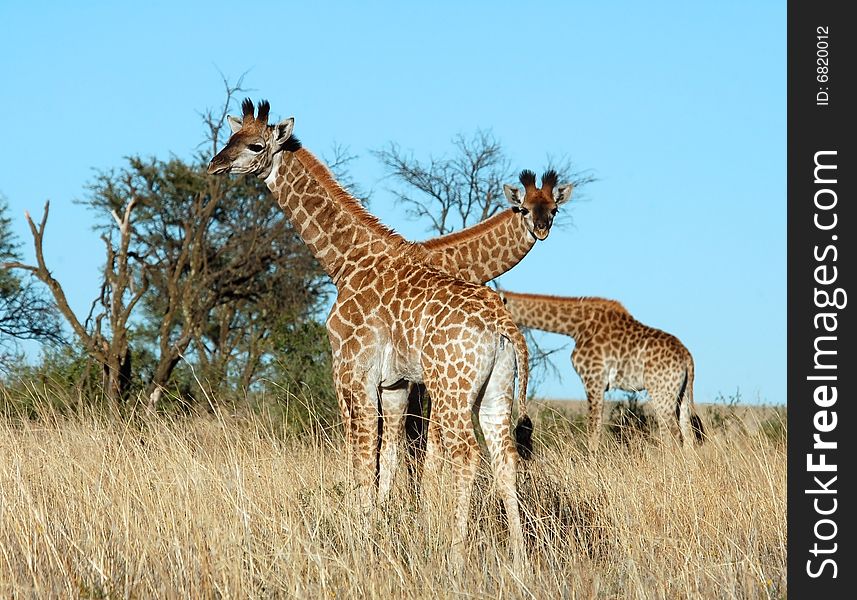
[
  {"x": 396, "y": 320},
  {"x": 615, "y": 351}
]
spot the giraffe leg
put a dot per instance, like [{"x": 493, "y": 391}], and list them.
[
  {"x": 685, "y": 429},
  {"x": 663, "y": 399},
  {"x": 689, "y": 423},
  {"x": 416, "y": 429},
  {"x": 595, "y": 405},
  {"x": 433, "y": 460},
  {"x": 360, "y": 413},
  {"x": 495, "y": 416},
  {"x": 460, "y": 442},
  {"x": 394, "y": 402}
]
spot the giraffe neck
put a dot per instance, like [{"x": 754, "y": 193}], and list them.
[
  {"x": 556, "y": 314},
  {"x": 333, "y": 224},
  {"x": 484, "y": 251}
]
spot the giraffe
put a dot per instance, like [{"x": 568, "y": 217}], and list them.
[
  {"x": 488, "y": 249},
  {"x": 395, "y": 319},
  {"x": 614, "y": 350},
  {"x": 483, "y": 252}
]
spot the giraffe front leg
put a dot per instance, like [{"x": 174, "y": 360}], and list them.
[
  {"x": 595, "y": 408},
  {"x": 361, "y": 432},
  {"x": 394, "y": 403}
]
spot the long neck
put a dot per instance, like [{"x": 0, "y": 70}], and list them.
[
  {"x": 332, "y": 223},
  {"x": 484, "y": 251},
  {"x": 566, "y": 315}
]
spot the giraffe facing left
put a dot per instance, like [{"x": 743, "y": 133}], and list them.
[{"x": 396, "y": 319}]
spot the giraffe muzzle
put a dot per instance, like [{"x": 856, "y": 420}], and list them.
[
  {"x": 541, "y": 233},
  {"x": 217, "y": 169}
]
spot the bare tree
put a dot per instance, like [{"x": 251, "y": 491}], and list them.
[
  {"x": 104, "y": 333},
  {"x": 25, "y": 314},
  {"x": 339, "y": 162},
  {"x": 450, "y": 192},
  {"x": 459, "y": 190}
]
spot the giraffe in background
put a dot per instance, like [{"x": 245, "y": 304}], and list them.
[
  {"x": 396, "y": 319},
  {"x": 485, "y": 251},
  {"x": 615, "y": 351}
]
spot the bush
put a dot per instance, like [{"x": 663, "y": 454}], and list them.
[
  {"x": 723, "y": 415},
  {"x": 629, "y": 421}
]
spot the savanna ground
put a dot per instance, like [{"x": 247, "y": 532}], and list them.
[{"x": 234, "y": 504}]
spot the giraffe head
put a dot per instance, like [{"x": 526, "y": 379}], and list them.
[
  {"x": 254, "y": 143},
  {"x": 538, "y": 206}
]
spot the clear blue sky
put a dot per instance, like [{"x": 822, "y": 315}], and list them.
[{"x": 678, "y": 108}]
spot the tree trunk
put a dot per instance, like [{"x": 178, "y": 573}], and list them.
[{"x": 162, "y": 374}]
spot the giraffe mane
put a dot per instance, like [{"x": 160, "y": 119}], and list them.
[
  {"x": 602, "y": 302},
  {"x": 342, "y": 197},
  {"x": 593, "y": 301},
  {"x": 456, "y": 237}
]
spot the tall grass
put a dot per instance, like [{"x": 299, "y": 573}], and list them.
[{"x": 228, "y": 505}]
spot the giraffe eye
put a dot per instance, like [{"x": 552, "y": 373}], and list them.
[{"x": 255, "y": 147}]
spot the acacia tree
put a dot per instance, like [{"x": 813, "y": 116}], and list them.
[
  {"x": 223, "y": 262},
  {"x": 197, "y": 268}
]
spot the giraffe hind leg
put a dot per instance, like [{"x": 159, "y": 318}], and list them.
[
  {"x": 664, "y": 402},
  {"x": 394, "y": 402},
  {"x": 685, "y": 418},
  {"x": 459, "y": 439},
  {"x": 416, "y": 431},
  {"x": 495, "y": 416}
]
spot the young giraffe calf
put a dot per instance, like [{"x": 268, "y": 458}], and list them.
[
  {"x": 615, "y": 351},
  {"x": 395, "y": 320}
]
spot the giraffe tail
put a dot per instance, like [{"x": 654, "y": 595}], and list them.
[
  {"x": 524, "y": 427},
  {"x": 695, "y": 420}
]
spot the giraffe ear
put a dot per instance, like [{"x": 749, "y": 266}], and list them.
[
  {"x": 283, "y": 131},
  {"x": 562, "y": 194},
  {"x": 514, "y": 195},
  {"x": 234, "y": 123}
]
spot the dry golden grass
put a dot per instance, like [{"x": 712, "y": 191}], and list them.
[{"x": 222, "y": 506}]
